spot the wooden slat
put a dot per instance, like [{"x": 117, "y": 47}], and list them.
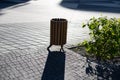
[{"x": 58, "y": 33}]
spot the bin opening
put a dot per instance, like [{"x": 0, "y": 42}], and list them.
[{"x": 58, "y": 19}]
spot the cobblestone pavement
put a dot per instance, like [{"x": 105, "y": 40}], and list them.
[
  {"x": 29, "y": 35},
  {"x": 39, "y": 64},
  {"x": 24, "y": 37},
  {"x": 23, "y": 53}
]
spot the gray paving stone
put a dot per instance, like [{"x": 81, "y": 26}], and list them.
[{"x": 26, "y": 55}]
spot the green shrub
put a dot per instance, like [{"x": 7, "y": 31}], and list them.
[{"x": 104, "y": 37}]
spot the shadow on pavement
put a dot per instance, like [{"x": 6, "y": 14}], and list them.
[
  {"x": 104, "y": 70},
  {"x": 5, "y": 4},
  {"x": 101, "y": 6},
  {"x": 55, "y": 66}
]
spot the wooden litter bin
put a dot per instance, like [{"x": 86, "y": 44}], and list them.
[{"x": 58, "y": 32}]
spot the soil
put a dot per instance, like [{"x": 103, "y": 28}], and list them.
[{"x": 81, "y": 50}]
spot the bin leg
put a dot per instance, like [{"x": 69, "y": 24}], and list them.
[
  {"x": 49, "y": 47},
  {"x": 62, "y": 48}
]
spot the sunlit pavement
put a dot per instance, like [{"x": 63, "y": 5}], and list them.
[
  {"x": 24, "y": 37},
  {"x": 44, "y": 10}
]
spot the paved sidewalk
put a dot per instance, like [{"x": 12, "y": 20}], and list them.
[
  {"x": 35, "y": 34},
  {"x": 24, "y": 38},
  {"x": 39, "y": 64},
  {"x": 24, "y": 55}
]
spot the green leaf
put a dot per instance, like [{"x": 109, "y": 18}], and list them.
[{"x": 105, "y": 37}]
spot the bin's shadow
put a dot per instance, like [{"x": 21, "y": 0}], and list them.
[{"x": 55, "y": 66}]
